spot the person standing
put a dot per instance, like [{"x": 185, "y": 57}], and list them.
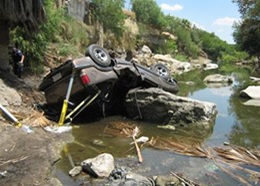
[{"x": 18, "y": 59}]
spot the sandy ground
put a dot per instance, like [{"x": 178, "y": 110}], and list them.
[{"x": 28, "y": 159}]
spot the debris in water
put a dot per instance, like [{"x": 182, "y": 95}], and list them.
[{"x": 58, "y": 130}]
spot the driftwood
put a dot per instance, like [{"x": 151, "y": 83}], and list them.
[{"x": 134, "y": 133}]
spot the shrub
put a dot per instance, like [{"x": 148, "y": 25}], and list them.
[
  {"x": 169, "y": 47},
  {"x": 181, "y": 57}
]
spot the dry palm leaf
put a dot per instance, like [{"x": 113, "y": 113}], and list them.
[
  {"x": 125, "y": 129},
  {"x": 116, "y": 128},
  {"x": 239, "y": 155},
  {"x": 37, "y": 119},
  {"x": 184, "y": 149}
]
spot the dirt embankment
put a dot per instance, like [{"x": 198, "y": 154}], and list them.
[{"x": 27, "y": 159}]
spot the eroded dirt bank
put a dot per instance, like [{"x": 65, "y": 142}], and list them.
[{"x": 27, "y": 159}]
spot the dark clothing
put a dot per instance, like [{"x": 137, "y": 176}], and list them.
[{"x": 17, "y": 57}]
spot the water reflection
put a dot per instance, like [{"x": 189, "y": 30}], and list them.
[
  {"x": 246, "y": 127},
  {"x": 235, "y": 123}
]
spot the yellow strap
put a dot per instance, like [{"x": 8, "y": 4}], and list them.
[{"x": 63, "y": 112}]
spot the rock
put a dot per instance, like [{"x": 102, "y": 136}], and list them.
[
  {"x": 9, "y": 96},
  {"x": 100, "y": 166},
  {"x": 98, "y": 142},
  {"x": 118, "y": 173},
  {"x": 210, "y": 66},
  {"x": 252, "y": 102},
  {"x": 175, "y": 66},
  {"x": 166, "y": 127},
  {"x": 201, "y": 61},
  {"x": 217, "y": 78},
  {"x": 158, "y": 106},
  {"x": 132, "y": 25},
  {"x": 165, "y": 58},
  {"x": 166, "y": 180},
  {"x": 136, "y": 179},
  {"x": 254, "y": 79},
  {"x": 75, "y": 171},
  {"x": 169, "y": 36},
  {"x": 144, "y": 56},
  {"x": 55, "y": 182},
  {"x": 252, "y": 92},
  {"x": 146, "y": 50}
]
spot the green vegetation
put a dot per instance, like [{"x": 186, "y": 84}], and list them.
[
  {"x": 149, "y": 12},
  {"x": 182, "y": 58},
  {"x": 64, "y": 36},
  {"x": 247, "y": 31},
  {"x": 109, "y": 13}
]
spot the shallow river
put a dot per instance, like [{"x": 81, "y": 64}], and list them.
[{"x": 235, "y": 123}]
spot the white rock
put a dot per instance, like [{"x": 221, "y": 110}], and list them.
[
  {"x": 252, "y": 102},
  {"x": 218, "y": 78},
  {"x": 252, "y": 92},
  {"x": 254, "y": 79},
  {"x": 146, "y": 50},
  {"x": 211, "y": 66},
  {"x": 75, "y": 171},
  {"x": 100, "y": 166}
]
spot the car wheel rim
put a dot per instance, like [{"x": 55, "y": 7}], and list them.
[
  {"x": 100, "y": 55},
  {"x": 161, "y": 71}
]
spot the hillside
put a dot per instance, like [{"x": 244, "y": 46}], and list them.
[{"x": 71, "y": 27}]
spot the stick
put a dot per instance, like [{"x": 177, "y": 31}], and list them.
[
  {"x": 181, "y": 179},
  {"x": 140, "y": 157}
]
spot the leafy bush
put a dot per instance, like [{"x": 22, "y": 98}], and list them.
[
  {"x": 226, "y": 58},
  {"x": 109, "y": 13},
  {"x": 169, "y": 47},
  {"x": 149, "y": 12},
  {"x": 182, "y": 58},
  {"x": 34, "y": 45}
]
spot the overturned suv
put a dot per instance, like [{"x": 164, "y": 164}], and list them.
[{"x": 100, "y": 83}]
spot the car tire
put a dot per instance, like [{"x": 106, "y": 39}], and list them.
[
  {"x": 161, "y": 70},
  {"x": 99, "y": 55}
]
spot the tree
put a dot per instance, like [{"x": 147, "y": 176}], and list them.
[
  {"x": 149, "y": 12},
  {"x": 247, "y": 32},
  {"x": 29, "y": 14},
  {"x": 110, "y": 15}
]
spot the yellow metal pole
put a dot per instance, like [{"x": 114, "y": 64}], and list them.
[
  {"x": 63, "y": 112},
  {"x": 65, "y": 102}
]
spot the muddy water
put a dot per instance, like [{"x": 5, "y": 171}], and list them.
[{"x": 235, "y": 123}]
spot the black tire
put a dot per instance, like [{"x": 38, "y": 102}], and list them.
[
  {"x": 161, "y": 70},
  {"x": 99, "y": 55}
]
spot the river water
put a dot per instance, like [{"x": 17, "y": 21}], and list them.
[{"x": 235, "y": 123}]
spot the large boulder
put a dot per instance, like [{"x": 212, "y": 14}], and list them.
[
  {"x": 100, "y": 166},
  {"x": 156, "y": 105},
  {"x": 252, "y": 92}
]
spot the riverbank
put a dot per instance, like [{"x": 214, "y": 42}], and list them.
[{"x": 27, "y": 158}]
